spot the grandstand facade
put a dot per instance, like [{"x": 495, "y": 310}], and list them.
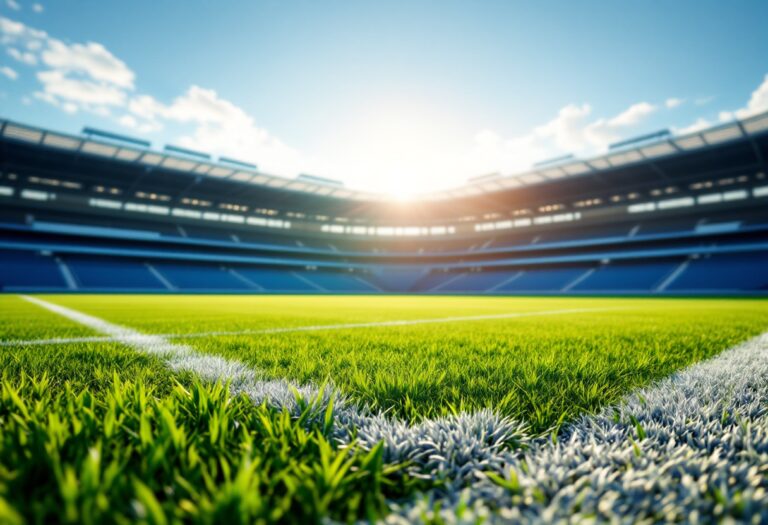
[{"x": 665, "y": 215}]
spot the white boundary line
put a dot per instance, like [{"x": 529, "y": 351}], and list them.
[{"x": 124, "y": 337}]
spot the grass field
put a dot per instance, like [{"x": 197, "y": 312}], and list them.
[{"x": 96, "y": 430}]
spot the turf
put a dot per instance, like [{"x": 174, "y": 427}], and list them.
[
  {"x": 128, "y": 453},
  {"x": 97, "y": 432},
  {"x": 544, "y": 370}
]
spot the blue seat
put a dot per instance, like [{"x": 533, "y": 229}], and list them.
[
  {"x": 113, "y": 274},
  {"x": 543, "y": 280},
  {"x": 725, "y": 272},
  {"x": 339, "y": 282},
  {"x": 29, "y": 270},
  {"x": 199, "y": 277},
  {"x": 628, "y": 277},
  {"x": 274, "y": 280}
]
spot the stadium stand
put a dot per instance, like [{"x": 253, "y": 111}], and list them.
[{"x": 683, "y": 215}]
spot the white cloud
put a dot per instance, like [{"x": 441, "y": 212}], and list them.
[
  {"x": 146, "y": 107},
  {"x": 225, "y": 128},
  {"x": 24, "y": 57},
  {"x": 37, "y": 8},
  {"x": 129, "y": 121},
  {"x": 8, "y": 72},
  {"x": 758, "y": 101},
  {"x": 673, "y": 102},
  {"x": 80, "y": 91},
  {"x": 13, "y": 4},
  {"x": 634, "y": 114},
  {"x": 700, "y": 124},
  {"x": 91, "y": 59},
  {"x": 88, "y": 77},
  {"x": 573, "y": 130},
  {"x": 77, "y": 76},
  {"x": 219, "y": 126},
  {"x": 703, "y": 101}
]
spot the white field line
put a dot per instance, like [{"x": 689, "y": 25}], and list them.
[
  {"x": 693, "y": 448},
  {"x": 123, "y": 337}
]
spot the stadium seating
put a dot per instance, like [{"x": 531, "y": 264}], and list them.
[
  {"x": 732, "y": 272},
  {"x": 198, "y": 277},
  {"x": 543, "y": 279},
  {"x": 477, "y": 282},
  {"x": 627, "y": 277},
  {"x": 29, "y": 270},
  {"x": 112, "y": 274},
  {"x": 339, "y": 282},
  {"x": 272, "y": 280}
]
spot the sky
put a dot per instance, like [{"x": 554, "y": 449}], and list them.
[{"x": 400, "y": 98}]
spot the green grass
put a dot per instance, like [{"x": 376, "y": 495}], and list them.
[
  {"x": 97, "y": 432},
  {"x": 542, "y": 370},
  {"x": 128, "y": 453}
]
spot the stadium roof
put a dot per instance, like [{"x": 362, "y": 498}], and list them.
[{"x": 225, "y": 169}]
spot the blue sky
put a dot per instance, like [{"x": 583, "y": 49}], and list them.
[{"x": 397, "y": 97}]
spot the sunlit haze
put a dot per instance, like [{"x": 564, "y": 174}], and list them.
[{"x": 400, "y": 98}]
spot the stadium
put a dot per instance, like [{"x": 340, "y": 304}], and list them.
[
  {"x": 186, "y": 337},
  {"x": 656, "y": 215}
]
